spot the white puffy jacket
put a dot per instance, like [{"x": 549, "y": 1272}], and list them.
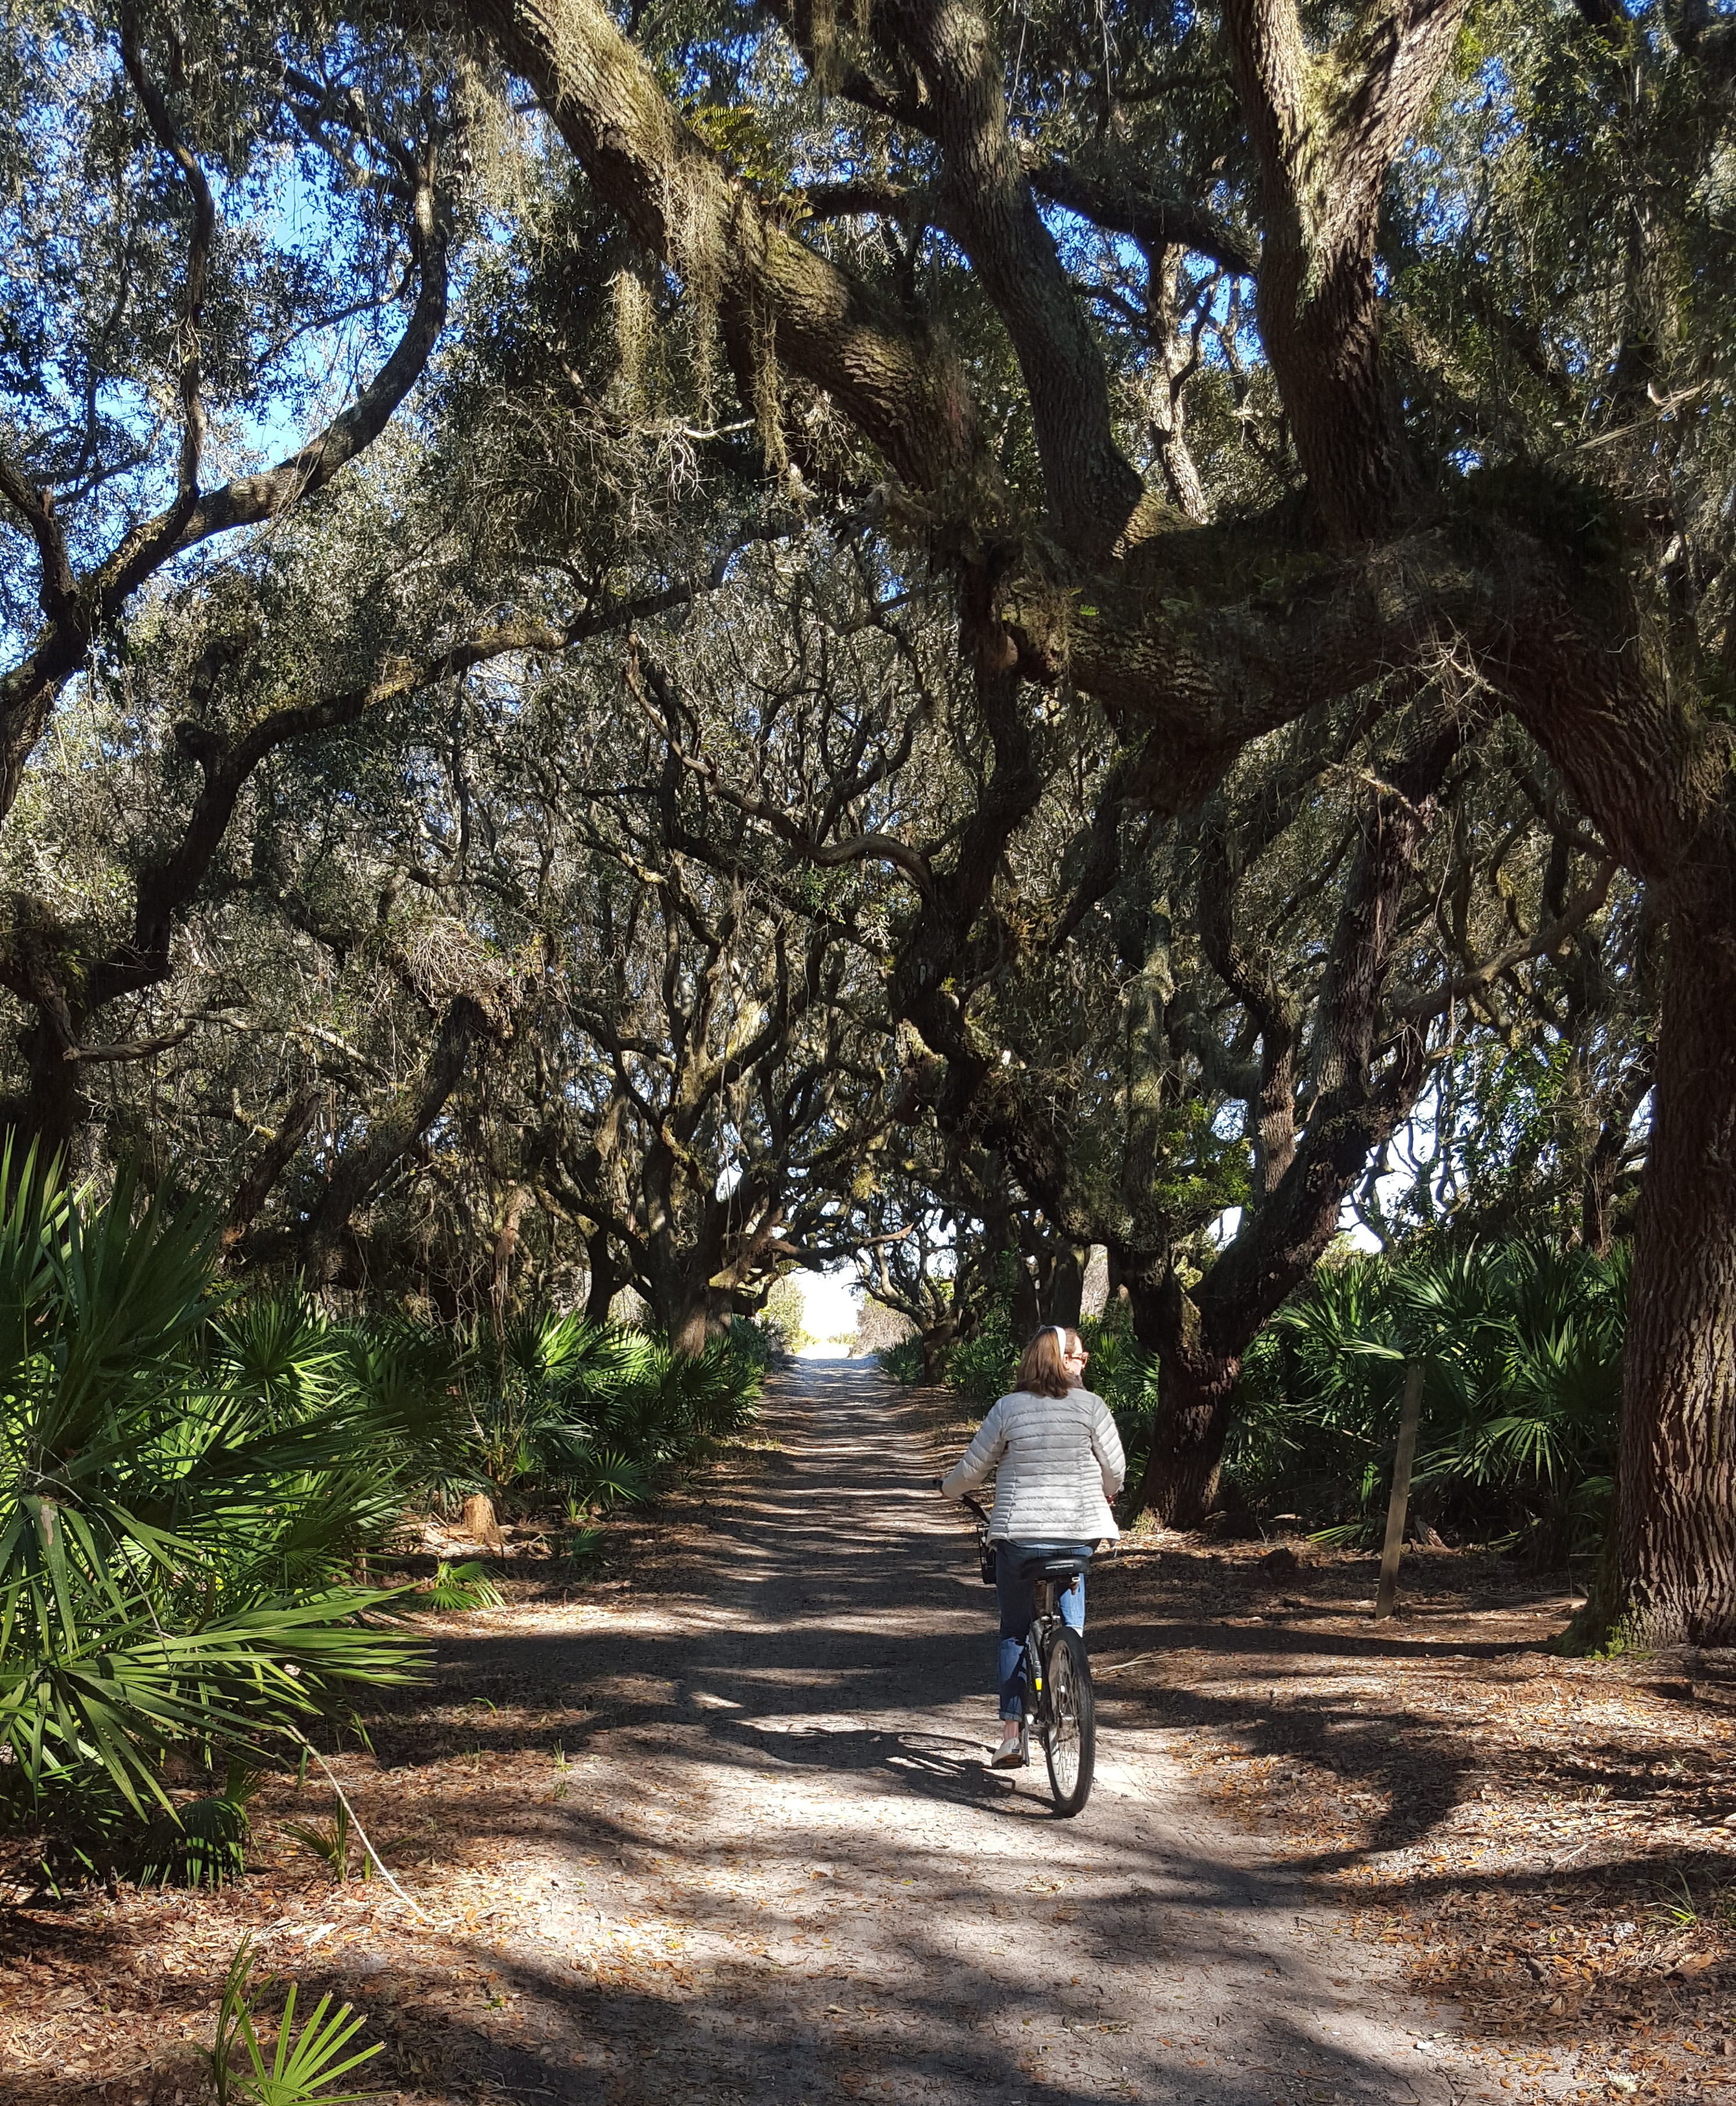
[{"x": 1059, "y": 1460}]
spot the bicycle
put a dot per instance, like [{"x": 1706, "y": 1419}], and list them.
[{"x": 1058, "y": 1697}]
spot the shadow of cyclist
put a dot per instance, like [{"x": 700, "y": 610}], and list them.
[{"x": 928, "y": 1764}]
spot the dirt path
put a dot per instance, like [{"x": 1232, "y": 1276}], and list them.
[
  {"x": 718, "y": 1828},
  {"x": 723, "y": 1832},
  {"x": 776, "y": 1868}
]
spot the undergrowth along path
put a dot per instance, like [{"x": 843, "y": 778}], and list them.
[
  {"x": 777, "y": 1869},
  {"x": 721, "y": 1831}
]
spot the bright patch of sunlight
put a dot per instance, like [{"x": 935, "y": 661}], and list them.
[{"x": 833, "y": 1300}]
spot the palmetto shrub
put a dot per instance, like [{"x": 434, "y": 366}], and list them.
[
  {"x": 190, "y": 1475},
  {"x": 985, "y": 1365},
  {"x": 1521, "y": 1344},
  {"x": 184, "y": 1485},
  {"x": 292, "y": 2068},
  {"x": 593, "y": 1412}
]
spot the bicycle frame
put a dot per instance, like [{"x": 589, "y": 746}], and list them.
[
  {"x": 1068, "y": 1735},
  {"x": 1045, "y": 1621}
]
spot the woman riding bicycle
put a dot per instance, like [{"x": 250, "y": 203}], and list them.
[{"x": 1059, "y": 1463}]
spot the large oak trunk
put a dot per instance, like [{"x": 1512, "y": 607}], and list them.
[
  {"x": 56, "y": 1105},
  {"x": 937, "y": 1342},
  {"x": 1195, "y": 1384},
  {"x": 1670, "y": 1576},
  {"x": 607, "y": 1278},
  {"x": 1065, "y": 1288},
  {"x": 690, "y": 1323},
  {"x": 1182, "y": 1472}
]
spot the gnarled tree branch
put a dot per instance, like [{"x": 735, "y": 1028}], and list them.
[{"x": 79, "y": 608}]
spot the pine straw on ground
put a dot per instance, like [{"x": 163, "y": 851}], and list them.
[
  {"x": 1545, "y": 1841},
  {"x": 109, "y": 1995},
  {"x": 1550, "y": 1843}
]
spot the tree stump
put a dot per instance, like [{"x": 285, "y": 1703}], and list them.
[{"x": 478, "y": 1524}]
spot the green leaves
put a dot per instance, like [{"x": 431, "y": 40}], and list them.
[
  {"x": 592, "y": 1411},
  {"x": 203, "y": 1844},
  {"x": 181, "y": 1488},
  {"x": 329, "y": 1843},
  {"x": 1523, "y": 1348},
  {"x": 301, "y": 2066},
  {"x": 128, "y": 1298},
  {"x": 459, "y": 1587},
  {"x": 108, "y": 1701},
  {"x": 186, "y": 1481}
]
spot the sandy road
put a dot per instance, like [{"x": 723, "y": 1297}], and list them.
[{"x": 779, "y": 1870}]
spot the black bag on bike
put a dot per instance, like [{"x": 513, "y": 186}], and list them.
[{"x": 986, "y": 1549}]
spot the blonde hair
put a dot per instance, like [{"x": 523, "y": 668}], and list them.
[{"x": 1041, "y": 1372}]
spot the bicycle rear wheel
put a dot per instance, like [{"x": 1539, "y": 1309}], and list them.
[{"x": 1069, "y": 1740}]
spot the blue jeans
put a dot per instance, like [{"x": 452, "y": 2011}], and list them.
[{"x": 1016, "y": 1588}]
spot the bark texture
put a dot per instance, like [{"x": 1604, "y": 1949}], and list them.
[
  {"x": 902, "y": 387},
  {"x": 1195, "y": 1393},
  {"x": 1676, "y": 1499},
  {"x": 987, "y": 202},
  {"x": 1205, "y": 637},
  {"x": 1367, "y": 1073},
  {"x": 269, "y": 1165},
  {"x": 1325, "y": 129}
]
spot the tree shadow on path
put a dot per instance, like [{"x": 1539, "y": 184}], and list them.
[{"x": 735, "y": 1840}]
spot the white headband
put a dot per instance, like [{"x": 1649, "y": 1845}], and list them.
[{"x": 1061, "y": 1334}]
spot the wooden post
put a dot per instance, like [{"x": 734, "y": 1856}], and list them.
[{"x": 1403, "y": 1462}]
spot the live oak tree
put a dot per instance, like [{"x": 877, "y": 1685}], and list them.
[
  {"x": 452, "y": 1004},
  {"x": 186, "y": 884},
  {"x": 1185, "y": 1039},
  {"x": 295, "y": 1039},
  {"x": 710, "y": 1093},
  {"x": 1249, "y": 1012},
  {"x": 1237, "y": 370},
  {"x": 1149, "y": 1020},
  {"x": 955, "y": 1240},
  {"x": 1535, "y": 1125},
  {"x": 213, "y": 609},
  {"x": 1443, "y": 534},
  {"x": 159, "y": 300}
]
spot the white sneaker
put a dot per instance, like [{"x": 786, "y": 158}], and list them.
[{"x": 1010, "y": 1755}]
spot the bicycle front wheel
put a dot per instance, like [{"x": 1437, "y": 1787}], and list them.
[{"x": 1070, "y": 1741}]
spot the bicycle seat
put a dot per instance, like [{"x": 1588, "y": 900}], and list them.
[
  {"x": 1053, "y": 1565},
  {"x": 1062, "y": 1568}
]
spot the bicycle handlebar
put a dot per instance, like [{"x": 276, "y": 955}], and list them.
[{"x": 965, "y": 1500}]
